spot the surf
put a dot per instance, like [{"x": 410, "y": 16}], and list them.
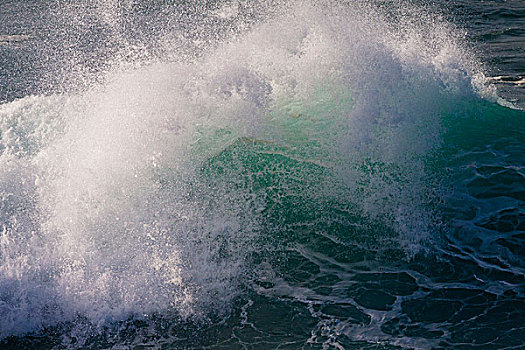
[{"x": 171, "y": 185}]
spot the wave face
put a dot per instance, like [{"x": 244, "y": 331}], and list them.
[{"x": 236, "y": 174}]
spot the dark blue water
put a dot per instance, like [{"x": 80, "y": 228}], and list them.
[
  {"x": 246, "y": 175},
  {"x": 497, "y": 32}
]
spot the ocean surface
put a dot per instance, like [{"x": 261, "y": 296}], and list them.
[{"x": 273, "y": 174}]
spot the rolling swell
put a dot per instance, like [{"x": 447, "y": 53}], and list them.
[{"x": 304, "y": 180}]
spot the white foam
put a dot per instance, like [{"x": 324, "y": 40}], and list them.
[{"x": 104, "y": 212}]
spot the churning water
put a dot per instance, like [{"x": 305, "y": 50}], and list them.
[{"x": 236, "y": 174}]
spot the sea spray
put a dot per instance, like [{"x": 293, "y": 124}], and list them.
[{"x": 157, "y": 185}]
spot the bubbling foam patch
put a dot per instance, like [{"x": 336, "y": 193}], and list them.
[{"x": 105, "y": 211}]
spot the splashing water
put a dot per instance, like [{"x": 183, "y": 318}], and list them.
[{"x": 216, "y": 152}]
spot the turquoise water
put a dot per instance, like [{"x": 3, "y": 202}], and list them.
[{"x": 240, "y": 175}]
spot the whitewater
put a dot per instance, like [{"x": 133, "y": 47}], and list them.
[{"x": 244, "y": 175}]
